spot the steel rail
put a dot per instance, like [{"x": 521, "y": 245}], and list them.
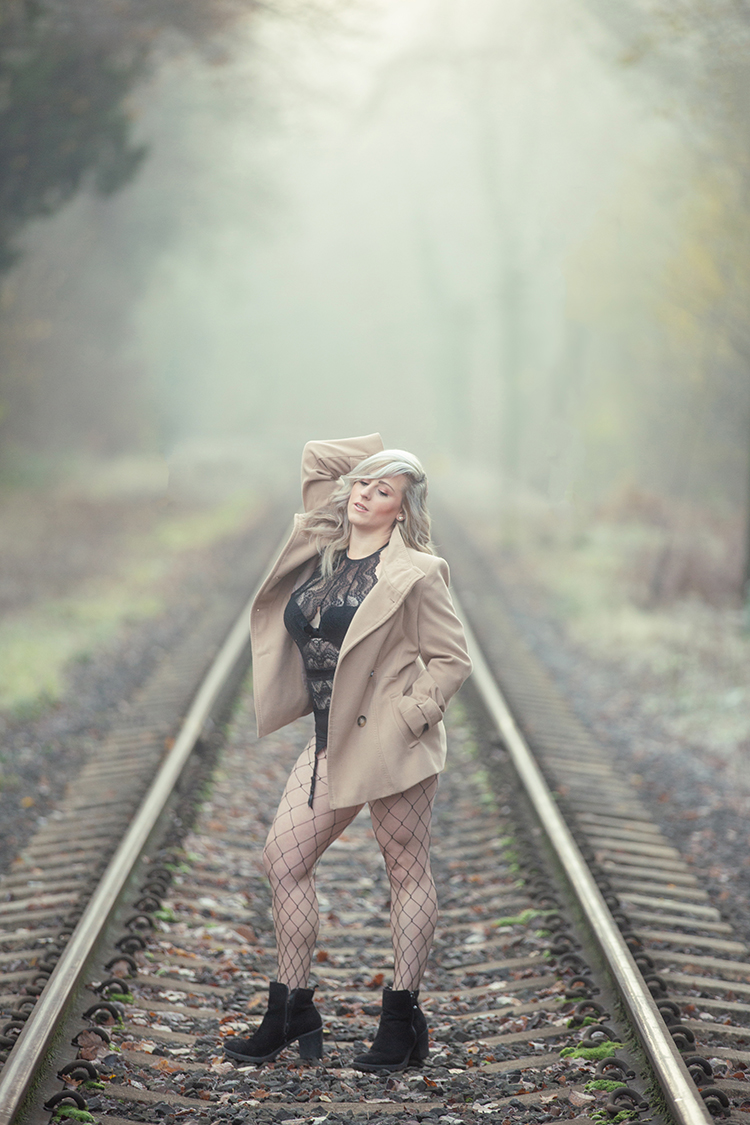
[
  {"x": 19, "y": 1071},
  {"x": 678, "y": 1088}
]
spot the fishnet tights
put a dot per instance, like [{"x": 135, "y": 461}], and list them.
[{"x": 298, "y": 837}]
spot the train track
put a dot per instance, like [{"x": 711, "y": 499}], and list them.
[{"x": 578, "y": 971}]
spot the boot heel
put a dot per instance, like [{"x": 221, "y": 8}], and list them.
[
  {"x": 311, "y": 1045},
  {"x": 421, "y": 1049}
]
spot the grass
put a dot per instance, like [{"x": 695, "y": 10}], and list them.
[
  {"x": 602, "y": 1117},
  {"x": 691, "y": 658},
  {"x": 685, "y": 656},
  {"x": 200, "y": 529},
  {"x": 40, "y": 641},
  {"x": 164, "y": 914},
  {"x": 521, "y": 919}
]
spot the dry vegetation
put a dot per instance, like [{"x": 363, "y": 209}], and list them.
[
  {"x": 649, "y": 595},
  {"x": 79, "y": 564}
]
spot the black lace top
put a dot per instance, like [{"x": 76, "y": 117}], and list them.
[{"x": 317, "y": 617}]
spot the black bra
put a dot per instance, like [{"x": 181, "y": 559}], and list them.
[{"x": 333, "y": 626}]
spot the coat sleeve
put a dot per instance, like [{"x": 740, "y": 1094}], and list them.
[
  {"x": 442, "y": 646},
  {"x": 323, "y": 462}
]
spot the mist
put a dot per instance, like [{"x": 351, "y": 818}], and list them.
[{"x": 508, "y": 237}]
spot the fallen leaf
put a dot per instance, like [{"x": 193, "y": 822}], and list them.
[
  {"x": 247, "y": 932},
  {"x": 222, "y": 1067},
  {"x": 258, "y": 1001},
  {"x": 146, "y": 1045},
  {"x": 167, "y": 1067},
  {"x": 576, "y": 1097},
  {"x": 89, "y": 1039}
]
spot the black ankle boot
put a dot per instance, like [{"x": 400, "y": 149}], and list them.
[
  {"x": 402, "y": 1036},
  {"x": 289, "y": 1016},
  {"x": 422, "y": 1049}
]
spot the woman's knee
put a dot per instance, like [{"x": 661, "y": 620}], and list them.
[
  {"x": 286, "y": 868},
  {"x": 270, "y": 858},
  {"x": 276, "y": 863},
  {"x": 401, "y": 847},
  {"x": 405, "y": 868}
]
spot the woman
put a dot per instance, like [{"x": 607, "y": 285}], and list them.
[{"x": 355, "y": 623}]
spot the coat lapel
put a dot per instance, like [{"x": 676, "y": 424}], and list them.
[
  {"x": 297, "y": 551},
  {"x": 397, "y": 576}
]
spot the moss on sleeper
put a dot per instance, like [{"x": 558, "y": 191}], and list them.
[
  {"x": 593, "y": 1054},
  {"x": 521, "y": 919}
]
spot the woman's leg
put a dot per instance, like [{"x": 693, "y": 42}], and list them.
[
  {"x": 298, "y": 837},
  {"x": 402, "y": 826}
]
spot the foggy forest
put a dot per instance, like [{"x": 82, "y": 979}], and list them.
[{"x": 512, "y": 237}]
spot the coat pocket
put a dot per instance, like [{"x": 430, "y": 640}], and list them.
[{"x": 407, "y": 734}]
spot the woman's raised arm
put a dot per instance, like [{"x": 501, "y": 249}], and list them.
[{"x": 323, "y": 462}]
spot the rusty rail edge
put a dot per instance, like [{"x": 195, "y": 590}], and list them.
[
  {"x": 19, "y": 1071},
  {"x": 680, "y": 1093}
]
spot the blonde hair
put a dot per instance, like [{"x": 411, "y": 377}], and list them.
[{"x": 329, "y": 525}]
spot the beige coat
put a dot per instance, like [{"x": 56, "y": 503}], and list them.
[{"x": 402, "y": 659}]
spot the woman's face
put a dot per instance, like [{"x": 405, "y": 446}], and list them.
[{"x": 375, "y": 504}]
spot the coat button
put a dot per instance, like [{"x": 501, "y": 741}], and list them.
[{"x": 361, "y": 721}]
